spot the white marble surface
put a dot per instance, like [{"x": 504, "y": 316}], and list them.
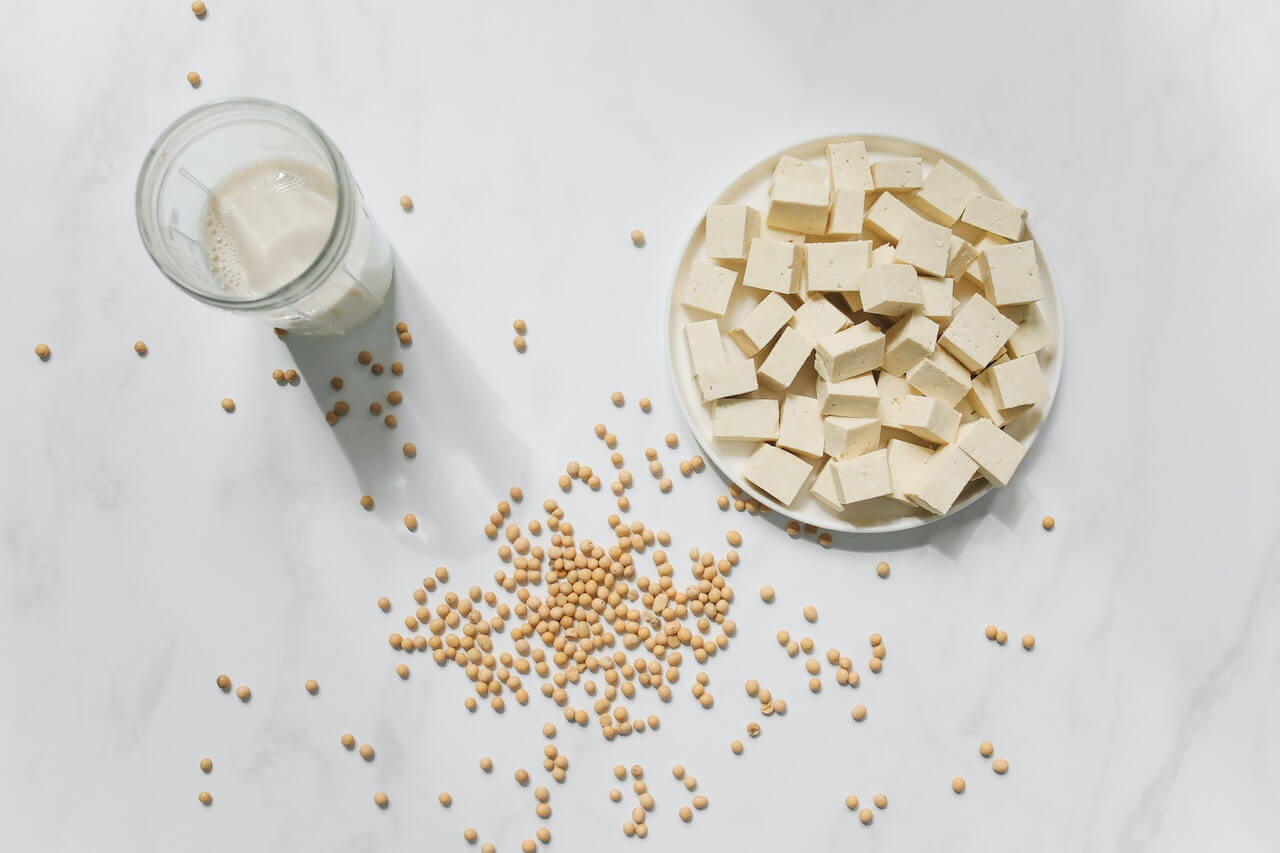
[{"x": 148, "y": 541}]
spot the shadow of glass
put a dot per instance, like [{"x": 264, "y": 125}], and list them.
[{"x": 464, "y": 445}]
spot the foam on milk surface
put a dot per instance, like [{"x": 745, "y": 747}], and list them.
[{"x": 264, "y": 224}]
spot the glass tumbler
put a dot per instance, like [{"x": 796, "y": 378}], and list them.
[{"x": 246, "y": 205}]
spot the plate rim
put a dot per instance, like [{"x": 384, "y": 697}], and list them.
[{"x": 910, "y": 522}]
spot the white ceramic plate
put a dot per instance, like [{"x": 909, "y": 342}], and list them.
[{"x": 879, "y": 514}]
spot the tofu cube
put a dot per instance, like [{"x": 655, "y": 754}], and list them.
[
  {"x": 730, "y": 228},
  {"x": 883, "y": 255},
  {"x": 1011, "y": 274},
  {"x": 852, "y": 398},
  {"x": 855, "y": 350},
  {"x": 801, "y": 430},
  {"x": 942, "y": 479},
  {"x": 836, "y": 266},
  {"x": 945, "y": 193},
  {"x": 728, "y": 380},
  {"x": 997, "y": 453},
  {"x": 891, "y": 390},
  {"x": 745, "y": 420},
  {"x": 849, "y": 167},
  {"x": 1019, "y": 382},
  {"x": 864, "y": 477},
  {"x": 924, "y": 245},
  {"x": 977, "y": 333},
  {"x": 825, "y": 489},
  {"x": 777, "y": 472},
  {"x": 982, "y": 396},
  {"x": 998, "y": 217},
  {"x": 785, "y": 359},
  {"x": 937, "y": 296},
  {"x": 890, "y": 290},
  {"x": 847, "y": 206},
  {"x": 709, "y": 287},
  {"x": 796, "y": 204},
  {"x": 928, "y": 418},
  {"x": 974, "y": 274},
  {"x": 908, "y": 341},
  {"x": 1032, "y": 334},
  {"x": 774, "y": 265},
  {"x": 906, "y": 461},
  {"x": 905, "y": 173},
  {"x": 887, "y": 217},
  {"x": 940, "y": 376},
  {"x": 757, "y": 329},
  {"x": 706, "y": 349},
  {"x": 818, "y": 317},
  {"x": 843, "y": 437},
  {"x": 795, "y": 169},
  {"x": 960, "y": 254}
]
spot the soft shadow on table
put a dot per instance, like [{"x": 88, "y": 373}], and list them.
[{"x": 447, "y": 412}]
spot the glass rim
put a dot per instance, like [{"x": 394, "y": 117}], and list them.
[{"x": 306, "y": 281}]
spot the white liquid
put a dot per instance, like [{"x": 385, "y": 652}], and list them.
[{"x": 265, "y": 224}]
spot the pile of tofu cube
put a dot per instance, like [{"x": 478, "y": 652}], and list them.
[{"x": 914, "y": 296}]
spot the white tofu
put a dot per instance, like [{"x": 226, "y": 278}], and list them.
[
  {"x": 891, "y": 389},
  {"x": 799, "y": 205},
  {"x": 997, "y": 453},
  {"x": 745, "y": 420},
  {"x": 730, "y": 228},
  {"x": 844, "y": 437},
  {"x": 974, "y": 274},
  {"x": 1032, "y": 334},
  {"x": 937, "y": 296},
  {"x": 1019, "y": 382},
  {"x": 836, "y": 266},
  {"x": 852, "y": 300},
  {"x": 976, "y": 333},
  {"x": 818, "y": 317},
  {"x": 849, "y": 167},
  {"x": 940, "y": 376},
  {"x": 998, "y": 217},
  {"x": 778, "y": 472},
  {"x": 1011, "y": 274},
  {"x": 825, "y": 489},
  {"x": 757, "y": 329},
  {"x": 847, "y": 206},
  {"x": 706, "y": 349},
  {"x": 855, "y": 350},
  {"x": 793, "y": 168},
  {"x": 945, "y": 193},
  {"x": 927, "y": 418},
  {"x": 864, "y": 477},
  {"x": 960, "y": 254},
  {"x": 709, "y": 287},
  {"x": 774, "y": 265},
  {"x": 906, "y": 461},
  {"x": 984, "y": 401},
  {"x": 801, "y": 429},
  {"x": 728, "y": 380},
  {"x": 785, "y": 359},
  {"x": 908, "y": 341},
  {"x": 887, "y": 216},
  {"x": 904, "y": 173},
  {"x": 883, "y": 255},
  {"x": 852, "y": 398},
  {"x": 924, "y": 245},
  {"x": 1016, "y": 313},
  {"x": 890, "y": 290},
  {"x": 942, "y": 479}
]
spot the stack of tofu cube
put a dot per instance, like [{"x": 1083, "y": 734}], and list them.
[{"x": 914, "y": 297}]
